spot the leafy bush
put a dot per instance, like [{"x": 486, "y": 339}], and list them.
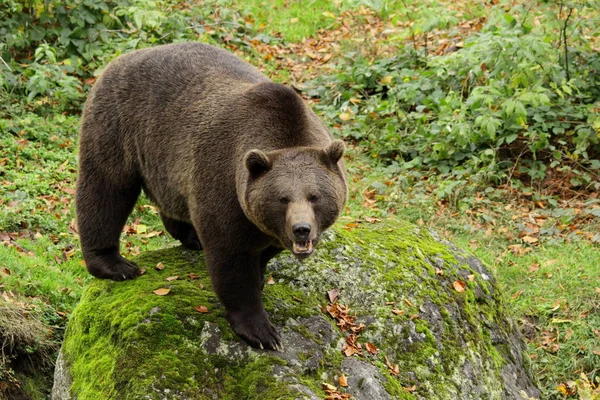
[
  {"x": 52, "y": 47},
  {"x": 506, "y": 98}
]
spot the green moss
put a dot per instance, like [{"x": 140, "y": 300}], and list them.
[{"x": 122, "y": 338}]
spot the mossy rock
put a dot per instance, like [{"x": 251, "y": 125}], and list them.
[{"x": 125, "y": 342}]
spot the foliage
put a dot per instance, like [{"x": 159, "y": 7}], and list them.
[
  {"x": 52, "y": 47},
  {"x": 503, "y": 104}
]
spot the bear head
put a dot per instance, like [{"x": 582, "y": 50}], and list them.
[{"x": 294, "y": 194}]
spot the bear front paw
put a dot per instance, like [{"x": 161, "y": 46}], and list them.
[
  {"x": 109, "y": 264},
  {"x": 256, "y": 329}
]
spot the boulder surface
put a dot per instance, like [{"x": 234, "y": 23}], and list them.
[{"x": 384, "y": 311}]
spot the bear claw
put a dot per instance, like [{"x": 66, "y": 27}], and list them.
[
  {"x": 111, "y": 265},
  {"x": 255, "y": 329}
]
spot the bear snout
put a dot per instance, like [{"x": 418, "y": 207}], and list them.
[{"x": 301, "y": 231}]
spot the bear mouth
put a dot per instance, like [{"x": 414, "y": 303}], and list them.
[{"x": 302, "y": 248}]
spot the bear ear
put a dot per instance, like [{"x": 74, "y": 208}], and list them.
[
  {"x": 335, "y": 151},
  {"x": 257, "y": 162}
]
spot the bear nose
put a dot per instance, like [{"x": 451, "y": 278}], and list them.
[{"x": 301, "y": 230}]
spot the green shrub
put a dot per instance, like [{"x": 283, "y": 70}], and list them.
[{"x": 505, "y": 98}]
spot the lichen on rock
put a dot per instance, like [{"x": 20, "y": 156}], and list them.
[{"x": 125, "y": 342}]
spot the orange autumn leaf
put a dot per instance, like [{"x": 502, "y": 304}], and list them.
[
  {"x": 201, "y": 309},
  {"x": 161, "y": 291},
  {"x": 371, "y": 348},
  {"x": 459, "y": 286},
  {"x": 343, "y": 381}
]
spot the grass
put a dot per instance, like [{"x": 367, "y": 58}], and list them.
[
  {"x": 553, "y": 293},
  {"x": 550, "y": 285},
  {"x": 294, "y": 20}
]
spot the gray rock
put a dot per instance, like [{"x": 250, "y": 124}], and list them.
[{"x": 124, "y": 342}]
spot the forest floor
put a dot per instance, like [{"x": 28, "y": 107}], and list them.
[{"x": 542, "y": 240}]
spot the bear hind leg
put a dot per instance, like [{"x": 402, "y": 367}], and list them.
[
  {"x": 182, "y": 231},
  {"x": 102, "y": 210}
]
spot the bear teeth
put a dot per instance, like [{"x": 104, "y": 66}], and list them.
[{"x": 302, "y": 247}]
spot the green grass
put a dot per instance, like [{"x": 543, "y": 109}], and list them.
[
  {"x": 295, "y": 20},
  {"x": 552, "y": 292}
]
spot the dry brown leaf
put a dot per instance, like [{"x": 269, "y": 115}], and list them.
[
  {"x": 371, "y": 348},
  {"x": 459, "y": 286},
  {"x": 161, "y": 291},
  {"x": 160, "y": 266},
  {"x": 333, "y": 295},
  {"x": 397, "y": 311},
  {"x": 409, "y": 389},
  {"x": 343, "y": 381},
  {"x": 270, "y": 281},
  {"x": 201, "y": 309},
  {"x": 172, "y": 278},
  {"x": 529, "y": 239}
]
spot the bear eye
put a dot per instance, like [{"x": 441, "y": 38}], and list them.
[
  {"x": 284, "y": 200},
  {"x": 313, "y": 198}
]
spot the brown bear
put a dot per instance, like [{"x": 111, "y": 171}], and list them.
[{"x": 238, "y": 166}]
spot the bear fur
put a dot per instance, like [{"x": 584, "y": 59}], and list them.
[{"x": 237, "y": 165}]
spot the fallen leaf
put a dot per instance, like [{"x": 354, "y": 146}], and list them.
[
  {"x": 397, "y": 311},
  {"x": 68, "y": 190},
  {"x": 529, "y": 239},
  {"x": 343, "y": 381},
  {"x": 201, "y": 309},
  {"x": 161, "y": 291},
  {"x": 142, "y": 271},
  {"x": 409, "y": 389},
  {"x": 328, "y": 386},
  {"x": 160, "y": 266},
  {"x": 270, "y": 281},
  {"x": 534, "y": 267},
  {"x": 371, "y": 348},
  {"x": 193, "y": 276},
  {"x": 172, "y": 278},
  {"x": 439, "y": 271},
  {"x": 471, "y": 277},
  {"x": 459, "y": 286},
  {"x": 333, "y": 295}
]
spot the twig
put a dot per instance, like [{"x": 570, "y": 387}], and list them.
[
  {"x": 564, "y": 37},
  {"x": 512, "y": 171},
  {"x": 4, "y": 62},
  {"x": 527, "y": 14}
]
